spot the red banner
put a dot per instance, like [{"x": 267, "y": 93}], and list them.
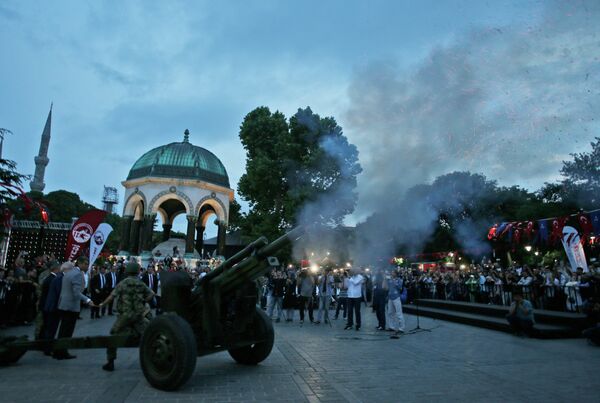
[{"x": 82, "y": 232}]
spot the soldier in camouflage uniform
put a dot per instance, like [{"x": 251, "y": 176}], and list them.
[{"x": 133, "y": 296}]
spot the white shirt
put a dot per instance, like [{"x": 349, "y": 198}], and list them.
[
  {"x": 525, "y": 281},
  {"x": 355, "y": 286}
]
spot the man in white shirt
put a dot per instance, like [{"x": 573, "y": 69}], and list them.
[{"x": 354, "y": 299}]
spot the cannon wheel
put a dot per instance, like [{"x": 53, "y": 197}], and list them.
[
  {"x": 168, "y": 352},
  {"x": 255, "y": 353},
  {"x": 9, "y": 355}
]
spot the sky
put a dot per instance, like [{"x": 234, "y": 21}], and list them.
[{"x": 505, "y": 88}]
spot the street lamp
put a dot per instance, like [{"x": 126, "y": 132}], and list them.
[{"x": 528, "y": 248}]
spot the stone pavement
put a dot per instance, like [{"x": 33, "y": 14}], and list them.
[{"x": 452, "y": 363}]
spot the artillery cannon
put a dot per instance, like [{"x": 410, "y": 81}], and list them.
[{"x": 217, "y": 313}]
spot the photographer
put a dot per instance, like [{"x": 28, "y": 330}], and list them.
[
  {"x": 306, "y": 284},
  {"x": 290, "y": 298},
  {"x": 277, "y": 288},
  {"x": 355, "y": 283},
  {"x": 379, "y": 298},
  {"x": 342, "y": 298},
  {"x": 520, "y": 315},
  {"x": 326, "y": 287}
]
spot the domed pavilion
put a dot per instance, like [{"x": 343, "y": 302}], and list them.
[{"x": 173, "y": 179}]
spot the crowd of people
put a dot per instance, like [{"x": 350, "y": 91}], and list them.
[
  {"x": 521, "y": 288},
  {"x": 331, "y": 292},
  {"x": 28, "y": 291},
  {"x": 554, "y": 287}
]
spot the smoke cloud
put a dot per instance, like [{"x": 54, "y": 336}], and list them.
[{"x": 510, "y": 102}]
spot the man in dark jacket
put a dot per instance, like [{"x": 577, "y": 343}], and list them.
[
  {"x": 53, "y": 268},
  {"x": 50, "y": 307},
  {"x": 112, "y": 279},
  {"x": 98, "y": 286}
]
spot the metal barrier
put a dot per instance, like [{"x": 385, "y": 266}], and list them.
[{"x": 565, "y": 298}]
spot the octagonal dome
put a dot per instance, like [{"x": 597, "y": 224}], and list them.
[{"x": 180, "y": 160}]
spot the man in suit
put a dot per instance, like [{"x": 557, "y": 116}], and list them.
[
  {"x": 53, "y": 268},
  {"x": 112, "y": 281},
  {"x": 151, "y": 281},
  {"x": 149, "y": 278},
  {"x": 98, "y": 287},
  {"x": 69, "y": 303},
  {"x": 49, "y": 305}
]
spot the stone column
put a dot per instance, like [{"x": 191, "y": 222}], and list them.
[
  {"x": 189, "y": 239},
  {"x": 199, "y": 239},
  {"x": 135, "y": 237},
  {"x": 166, "y": 232},
  {"x": 221, "y": 238},
  {"x": 125, "y": 233},
  {"x": 147, "y": 231}
]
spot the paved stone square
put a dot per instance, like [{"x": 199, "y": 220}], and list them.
[{"x": 313, "y": 363}]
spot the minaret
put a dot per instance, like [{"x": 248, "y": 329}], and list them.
[{"x": 37, "y": 184}]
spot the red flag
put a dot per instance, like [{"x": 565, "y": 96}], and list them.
[
  {"x": 82, "y": 231},
  {"x": 585, "y": 226},
  {"x": 557, "y": 227}
]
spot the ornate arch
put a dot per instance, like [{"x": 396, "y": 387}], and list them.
[
  {"x": 204, "y": 218},
  {"x": 182, "y": 197},
  {"x": 129, "y": 208},
  {"x": 216, "y": 204},
  {"x": 163, "y": 216}
]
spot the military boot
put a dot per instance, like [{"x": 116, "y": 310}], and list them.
[{"x": 109, "y": 366}]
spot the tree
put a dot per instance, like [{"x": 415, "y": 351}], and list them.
[
  {"x": 235, "y": 216},
  {"x": 63, "y": 205},
  {"x": 8, "y": 174},
  {"x": 321, "y": 167},
  {"x": 302, "y": 170},
  {"x": 582, "y": 176},
  {"x": 263, "y": 184},
  {"x": 114, "y": 239}
]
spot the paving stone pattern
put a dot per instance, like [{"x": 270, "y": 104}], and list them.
[{"x": 322, "y": 363}]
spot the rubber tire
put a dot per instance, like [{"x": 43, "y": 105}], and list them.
[
  {"x": 184, "y": 352},
  {"x": 253, "y": 354}
]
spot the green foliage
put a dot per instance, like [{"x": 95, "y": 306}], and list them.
[
  {"x": 64, "y": 205},
  {"x": 113, "y": 241},
  {"x": 8, "y": 173},
  {"x": 290, "y": 165},
  {"x": 235, "y": 216},
  {"x": 582, "y": 177}
]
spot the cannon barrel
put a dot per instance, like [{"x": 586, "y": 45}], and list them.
[
  {"x": 250, "y": 263},
  {"x": 238, "y": 257}
]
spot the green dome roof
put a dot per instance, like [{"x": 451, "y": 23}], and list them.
[{"x": 180, "y": 160}]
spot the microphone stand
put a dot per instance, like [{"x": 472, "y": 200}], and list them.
[{"x": 418, "y": 328}]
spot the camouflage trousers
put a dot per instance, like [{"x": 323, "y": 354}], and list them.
[
  {"x": 126, "y": 325},
  {"x": 39, "y": 325}
]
